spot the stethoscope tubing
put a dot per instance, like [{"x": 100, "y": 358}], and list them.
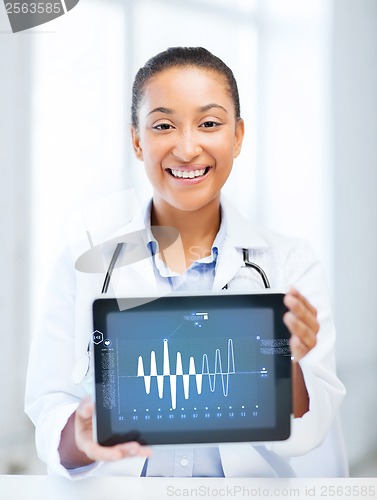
[
  {"x": 248, "y": 263},
  {"x": 245, "y": 255}
]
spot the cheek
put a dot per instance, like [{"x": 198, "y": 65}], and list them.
[
  {"x": 153, "y": 175},
  {"x": 225, "y": 143},
  {"x": 153, "y": 161},
  {"x": 226, "y": 151},
  {"x": 154, "y": 149}
]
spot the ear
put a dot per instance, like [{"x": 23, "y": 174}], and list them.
[
  {"x": 238, "y": 137},
  {"x": 136, "y": 144}
]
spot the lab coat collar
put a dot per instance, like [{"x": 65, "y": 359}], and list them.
[
  {"x": 239, "y": 230},
  {"x": 239, "y": 234}
]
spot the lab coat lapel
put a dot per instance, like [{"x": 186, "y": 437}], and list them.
[
  {"x": 239, "y": 234},
  {"x": 239, "y": 230},
  {"x": 136, "y": 279},
  {"x": 229, "y": 263}
]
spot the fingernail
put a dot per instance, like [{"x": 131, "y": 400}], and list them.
[
  {"x": 287, "y": 316},
  {"x": 289, "y": 299}
]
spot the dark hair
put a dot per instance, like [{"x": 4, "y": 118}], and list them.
[{"x": 176, "y": 57}]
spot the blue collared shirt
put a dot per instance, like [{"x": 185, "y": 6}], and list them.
[{"x": 199, "y": 276}]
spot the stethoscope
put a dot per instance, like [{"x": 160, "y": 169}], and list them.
[
  {"x": 246, "y": 260},
  {"x": 248, "y": 263}
]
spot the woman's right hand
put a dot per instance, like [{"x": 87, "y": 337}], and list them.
[
  {"x": 77, "y": 447},
  {"x": 94, "y": 451}
]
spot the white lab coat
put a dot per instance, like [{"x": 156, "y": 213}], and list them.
[{"x": 58, "y": 356}]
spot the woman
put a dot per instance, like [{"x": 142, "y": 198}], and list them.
[{"x": 187, "y": 130}]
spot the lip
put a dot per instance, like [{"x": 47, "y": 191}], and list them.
[{"x": 188, "y": 168}]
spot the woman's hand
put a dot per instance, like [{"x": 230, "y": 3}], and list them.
[
  {"x": 94, "y": 451},
  {"x": 77, "y": 447},
  {"x": 301, "y": 321}
]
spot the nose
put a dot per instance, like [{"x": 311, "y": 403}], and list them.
[{"x": 187, "y": 147}]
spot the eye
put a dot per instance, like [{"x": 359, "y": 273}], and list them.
[
  {"x": 163, "y": 126},
  {"x": 210, "y": 124}
]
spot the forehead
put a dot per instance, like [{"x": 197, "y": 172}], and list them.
[{"x": 187, "y": 85}]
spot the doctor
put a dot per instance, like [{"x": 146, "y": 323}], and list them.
[{"x": 187, "y": 130}]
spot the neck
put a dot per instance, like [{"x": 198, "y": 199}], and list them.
[{"x": 197, "y": 229}]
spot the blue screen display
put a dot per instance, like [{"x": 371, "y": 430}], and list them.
[{"x": 189, "y": 368}]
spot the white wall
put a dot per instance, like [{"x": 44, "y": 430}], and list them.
[
  {"x": 15, "y": 67},
  {"x": 355, "y": 213}
]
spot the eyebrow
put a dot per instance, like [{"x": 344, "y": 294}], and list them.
[
  {"x": 207, "y": 107},
  {"x": 160, "y": 109},
  {"x": 203, "y": 109}
]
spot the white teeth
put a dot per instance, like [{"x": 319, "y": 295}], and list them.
[
  {"x": 177, "y": 173},
  {"x": 185, "y": 174}
]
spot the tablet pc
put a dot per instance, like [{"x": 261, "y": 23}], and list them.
[{"x": 191, "y": 369}]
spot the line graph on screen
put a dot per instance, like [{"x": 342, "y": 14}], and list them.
[{"x": 219, "y": 371}]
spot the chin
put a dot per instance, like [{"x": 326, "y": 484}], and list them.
[{"x": 194, "y": 204}]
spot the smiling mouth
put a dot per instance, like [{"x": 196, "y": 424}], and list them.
[{"x": 188, "y": 174}]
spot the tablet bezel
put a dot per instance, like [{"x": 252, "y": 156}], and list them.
[{"x": 105, "y": 435}]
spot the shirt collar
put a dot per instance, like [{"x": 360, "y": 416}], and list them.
[
  {"x": 152, "y": 243},
  {"x": 233, "y": 225}
]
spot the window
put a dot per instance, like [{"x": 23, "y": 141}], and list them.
[{"x": 82, "y": 81}]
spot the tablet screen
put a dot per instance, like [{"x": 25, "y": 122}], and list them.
[{"x": 192, "y": 369}]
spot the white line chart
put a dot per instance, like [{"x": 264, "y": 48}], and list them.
[{"x": 192, "y": 371}]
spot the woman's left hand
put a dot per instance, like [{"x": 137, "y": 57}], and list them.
[{"x": 301, "y": 321}]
